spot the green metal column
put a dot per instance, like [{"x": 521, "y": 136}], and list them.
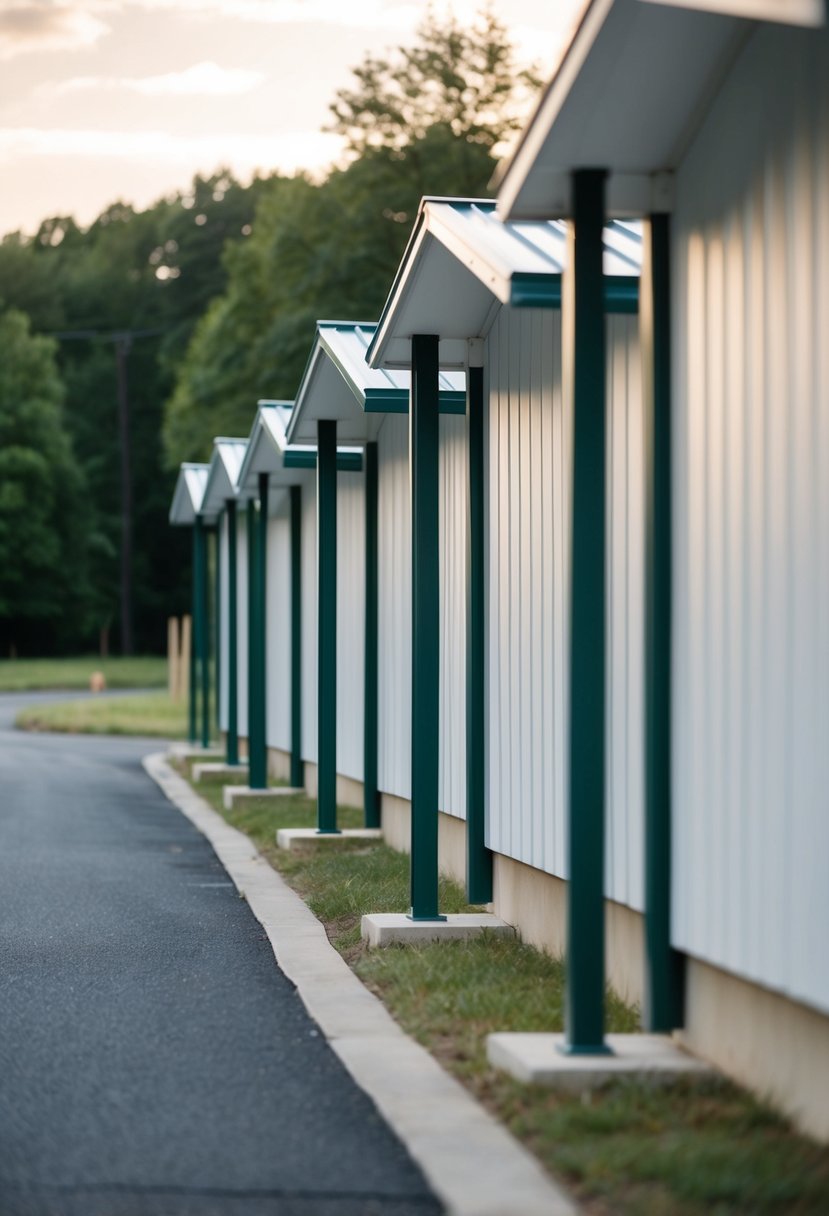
[
  {"x": 217, "y": 623},
  {"x": 192, "y": 710},
  {"x": 424, "y": 439},
  {"x": 478, "y": 856},
  {"x": 584, "y": 328},
  {"x": 297, "y": 773},
  {"x": 257, "y": 760},
  {"x": 370, "y": 717},
  {"x": 663, "y": 995},
  {"x": 232, "y": 639},
  {"x": 327, "y": 626},
  {"x": 201, "y": 629}
]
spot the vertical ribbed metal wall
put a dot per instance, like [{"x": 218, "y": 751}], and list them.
[
  {"x": 529, "y": 478},
  {"x": 223, "y": 614},
  {"x": 751, "y": 522},
  {"x": 394, "y": 608},
  {"x": 453, "y": 515},
  {"x": 309, "y": 618},
  {"x": 351, "y": 598},
  {"x": 278, "y": 626},
  {"x": 242, "y": 619}
]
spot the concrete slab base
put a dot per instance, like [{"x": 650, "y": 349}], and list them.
[
  {"x": 238, "y": 793},
  {"x": 289, "y": 838},
  {"x": 218, "y": 769},
  {"x": 388, "y": 928},
  {"x": 538, "y": 1060},
  {"x": 194, "y": 751}
]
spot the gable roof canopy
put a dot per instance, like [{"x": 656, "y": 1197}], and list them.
[
  {"x": 462, "y": 263},
  {"x": 188, "y": 494},
  {"x": 268, "y": 451},
  {"x": 222, "y": 475},
  {"x": 338, "y": 384},
  {"x": 628, "y": 96}
]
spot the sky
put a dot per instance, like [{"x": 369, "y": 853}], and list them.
[{"x": 105, "y": 100}]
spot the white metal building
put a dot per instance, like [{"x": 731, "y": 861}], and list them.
[{"x": 722, "y": 124}]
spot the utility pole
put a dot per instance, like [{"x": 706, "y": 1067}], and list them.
[{"x": 123, "y": 343}]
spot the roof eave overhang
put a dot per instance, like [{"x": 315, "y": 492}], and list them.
[{"x": 628, "y": 96}]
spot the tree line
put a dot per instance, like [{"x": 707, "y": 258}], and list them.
[{"x": 204, "y": 302}]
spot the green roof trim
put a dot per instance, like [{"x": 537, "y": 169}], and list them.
[
  {"x": 386, "y": 401},
  {"x": 621, "y": 293},
  {"x": 347, "y": 462},
  {"x": 528, "y": 290}
]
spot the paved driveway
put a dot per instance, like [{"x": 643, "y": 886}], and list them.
[{"x": 153, "y": 1058}]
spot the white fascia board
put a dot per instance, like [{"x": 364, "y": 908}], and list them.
[
  {"x": 406, "y": 277},
  {"x": 450, "y": 229},
  {"x": 810, "y": 13},
  {"x": 511, "y": 179}
]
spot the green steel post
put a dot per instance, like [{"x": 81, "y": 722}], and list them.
[
  {"x": 327, "y": 626},
  {"x": 585, "y": 329},
  {"x": 478, "y": 856},
  {"x": 370, "y": 717},
  {"x": 258, "y": 733},
  {"x": 232, "y": 639},
  {"x": 192, "y": 709},
  {"x": 217, "y": 623},
  {"x": 663, "y": 995},
  {"x": 256, "y": 778},
  {"x": 205, "y": 641},
  {"x": 297, "y": 773},
  {"x": 424, "y": 439}
]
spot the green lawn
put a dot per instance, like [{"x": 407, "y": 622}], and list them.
[
  {"x": 692, "y": 1148},
  {"x": 21, "y": 675},
  {"x": 148, "y": 714}
]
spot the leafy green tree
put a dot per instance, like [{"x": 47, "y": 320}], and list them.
[
  {"x": 462, "y": 78},
  {"x": 425, "y": 120},
  {"x": 44, "y": 526}
]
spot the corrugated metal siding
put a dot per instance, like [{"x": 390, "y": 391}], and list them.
[
  {"x": 528, "y": 505},
  {"x": 223, "y": 630},
  {"x": 351, "y": 601},
  {"x": 527, "y": 525},
  {"x": 394, "y": 760},
  {"x": 625, "y": 654},
  {"x": 751, "y": 522},
  {"x": 309, "y": 619},
  {"x": 453, "y": 516},
  {"x": 242, "y": 619},
  {"x": 278, "y": 632}
]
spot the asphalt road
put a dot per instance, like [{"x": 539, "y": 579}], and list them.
[{"x": 154, "y": 1061}]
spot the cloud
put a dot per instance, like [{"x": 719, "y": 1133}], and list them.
[
  {"x": 243, "y": 152},
  {"x": 39, "y": 25},
  {"x": 390, "y": 14},
  {"x": 199, "y": 80}
]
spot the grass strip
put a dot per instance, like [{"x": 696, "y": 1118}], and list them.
[
  {"x": 694, "y": 1147},
  {"x": 24, "y": 675},
  {"x": 150, "y": 714}
]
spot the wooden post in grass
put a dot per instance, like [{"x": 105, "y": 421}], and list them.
[
  {"x": 186, "y": 645},
  {"x": 173, "y": 658}
]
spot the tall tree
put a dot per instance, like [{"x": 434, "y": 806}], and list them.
[
  {"x": 44, "y": 524},
  {"x": 424, "y": 120},
  {"x": 463, "y": 78}
]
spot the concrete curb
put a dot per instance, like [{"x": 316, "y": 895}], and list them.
[{"x": 473, "y": 1164}]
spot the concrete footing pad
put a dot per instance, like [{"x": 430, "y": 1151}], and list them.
[
  {"x": 289, "y": 838},
  {"x": 193, "y": 751},
  {"x": 538, "y": 1060},
  {"x": 238, "y": 793},
  {"x": 472, "y": 1162},
  {"x": 218, "y": 769},
  {"x": 389, "y": 928}
]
